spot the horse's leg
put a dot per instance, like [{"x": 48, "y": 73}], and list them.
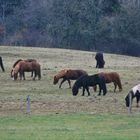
[
  {"x": 87, "y": 88},
  {"x": 83, "y": 91},
  {"x": 20, "y": 75},
  {"x": 95, "y": 88},
  {"x": 137, "y": 100},
  {"x": 115, "y": 86},
  {"x": 99, "y": 90},
  {"x": 39, "y": 74},
  {"x": 23, "y": 76},
  {"x": 62, "y": 82},
  {"x": 102, "y": 85},
  {"x": 104, "y": 88},
  {"x": 35, "y": 74},
  {"x": 69, "y": 83},
  {"x": 32, "y": 73}
]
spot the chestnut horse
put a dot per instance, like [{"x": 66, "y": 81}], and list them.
[
  {"x": 67, "y": 75},
  {"x": 111, "y": 77},
  {"x": 26, "y": 66},
  {"x": 86, "y": 81},
  {"x": 28, "y": 60}
]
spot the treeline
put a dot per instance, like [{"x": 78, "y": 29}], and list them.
[{"x": 95, "y": 25}]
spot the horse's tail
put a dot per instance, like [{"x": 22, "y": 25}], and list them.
[
  {"x": 119, "y": 83},
  {"x": 16, "y": 62},
  {"x": 39, "y": 72}
]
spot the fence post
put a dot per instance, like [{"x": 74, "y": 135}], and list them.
[
  {"x": 28, "y": 105},
  {"x": 130, "y": 103},
  {"x": 21, "y": 104}
]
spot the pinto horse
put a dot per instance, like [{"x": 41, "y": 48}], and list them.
[
  {"x": 67, "y": 75},
  {"x": 111, "y": 77},
  {"x": 1, "y": 64},
  {"x": 86, "y": 81},
  {"x": 133, "y": 93},
  {"x": 26, "y": 66}
]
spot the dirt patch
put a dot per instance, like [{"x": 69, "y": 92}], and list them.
[{"x": 90, "y": 105}]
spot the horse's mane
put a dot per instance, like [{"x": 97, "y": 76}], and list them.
[
  {"x": 61, "y": 73},
  {"x": 16, "y": 62},
  {"x": 30, "y": 60}
]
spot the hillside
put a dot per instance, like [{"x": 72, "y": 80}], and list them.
[
  {"x": 47, "y": 97},
  {"x": 94, "y": 25}
]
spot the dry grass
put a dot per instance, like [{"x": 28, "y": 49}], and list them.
[{"x": 47, "y": 98}]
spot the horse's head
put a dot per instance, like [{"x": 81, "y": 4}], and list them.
[
  {"x": 127, "y": 102},
  {"x": 11, "y": 73},
  {"x": 75, "y": 90},
  {"x": 55, "y": 80},
  {"x": 14, "y": 74},
  {"x": 128, "y": 98}
]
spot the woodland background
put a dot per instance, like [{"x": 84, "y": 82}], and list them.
[{"x": 94, "y": 25}]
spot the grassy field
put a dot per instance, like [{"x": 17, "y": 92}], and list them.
[{"x": 55, "y": 113}]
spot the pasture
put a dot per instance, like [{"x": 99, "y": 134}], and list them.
[{"x": 55, "y": 113}]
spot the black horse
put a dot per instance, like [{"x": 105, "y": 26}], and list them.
[
  {"x": 99, "y": 60},
  {"x": 86, "y": 81},
  {"x": 1, "y": 64},
  {"x": 133, "y": 93}
]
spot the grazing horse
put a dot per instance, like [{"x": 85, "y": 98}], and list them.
[
  {"x": 1, "y": 64},
  {"x": 99, "y": 60},
  {"x": 28, "y": 60},
  {"x": 134, "y": 92},
  {"x": 111, "y": 77},
  {"x": 26, "y": 66},
  {"x": 67, "y": 75},
  {"x": 86, "y": 81}
]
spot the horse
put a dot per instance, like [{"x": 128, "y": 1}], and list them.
[
  {"x": 133, "y": 93},
  {"x": 111, "y": 77},
  {"x": 86, "y": 81},
  {"x": 67, "y": 75},
  {"x": 99, "y": 60},
  {"x": 1, "y": 64},
  {"x": 26, "y": 66},
  {"x": 28, "y": 60}
]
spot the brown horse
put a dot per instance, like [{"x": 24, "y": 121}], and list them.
[
  {"x": 111, "y": 77},
  {"x": 28, "y": 60},
  {"x": 26, "y": 66},
  {"x": 67, "y": 75}
]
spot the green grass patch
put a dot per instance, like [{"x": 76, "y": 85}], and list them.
[
  {"x": 55, "y": 113},
  {"x": 70, "y": 126}
]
